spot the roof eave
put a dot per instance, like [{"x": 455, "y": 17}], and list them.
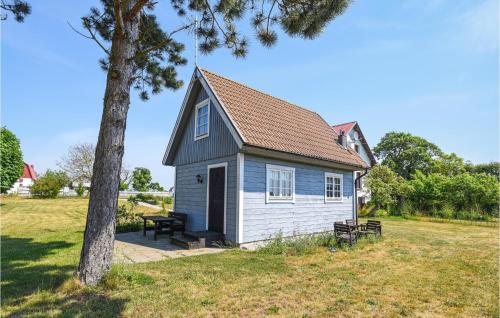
[{"x": 281, "y": 155}]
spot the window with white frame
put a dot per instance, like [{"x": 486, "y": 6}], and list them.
[
  {"x": 280, "y": 184},
  {"x": 333, "y": 187},
  {"x": 202, "y": 120}
]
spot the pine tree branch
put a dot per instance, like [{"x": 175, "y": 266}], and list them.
[
  {"x": 135, "y": 9},
  {"x": 91, "y": 37},
  {"x": 269, "y": 15},
  {"x": 162, "y": 43},
  {"x": 118, "y": 17},
  {"x": 214, "y": 19}
]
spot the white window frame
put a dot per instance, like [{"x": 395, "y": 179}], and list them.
[
  {"x": 201, "y": 104},
  {"x": 341, "y": 177},
  {"x": 272, "y": 199}
]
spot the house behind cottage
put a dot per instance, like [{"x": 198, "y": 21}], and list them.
[
  {"x": 22, "y": 185},
  {"x": 249, "y": 165},
  {"x": 356, "y": 140}
]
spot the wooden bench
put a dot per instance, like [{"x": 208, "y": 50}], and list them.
[{"x": 344, "y": 233}]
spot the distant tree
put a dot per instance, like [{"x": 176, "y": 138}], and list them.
[
  {"x": 491, "y": 168},
  {"x": 449, "y": 165},
  {"x": 155, "y": 186},
  {"x": 125, "y": 178},
  {"x": 80, "y": 190},
  {"x": 78, "y": 162},
  {"x": 20, "y": 9},
  {"x": 11, "y": 163},
  {"x": 405, "y": 153},
  {"x": 49, "y": 184},
  {"x": 139, "y": 53},
  {"x": 141, "y": 179},
  {"x": 386, "y": 187}
]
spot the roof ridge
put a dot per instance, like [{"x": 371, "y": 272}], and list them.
[
  {"x": 349, "y": 122},
  {"x": 260, "y": 92}
]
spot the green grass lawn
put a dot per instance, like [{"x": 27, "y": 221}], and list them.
[{"x": 418, "y": 269}]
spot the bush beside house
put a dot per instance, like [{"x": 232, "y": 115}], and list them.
[{"x": 431, "y": 183}]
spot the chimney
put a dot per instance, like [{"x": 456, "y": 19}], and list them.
[{"x": 342, "y": 139}]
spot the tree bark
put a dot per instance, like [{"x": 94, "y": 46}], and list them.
[{"x": 97, "y": 250}]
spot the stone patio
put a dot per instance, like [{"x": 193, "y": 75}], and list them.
[{"x": 133, "y": 247}]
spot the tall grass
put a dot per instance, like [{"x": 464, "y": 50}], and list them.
[{"x": 305, "y": 244}]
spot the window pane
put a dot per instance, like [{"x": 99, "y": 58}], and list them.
[
  {"x": 329, "y": 187},
  {"x": 274, "y": 189},
  {"x": 286, "y": 183},
  {"x": 202, "y": 121},
  {"x": 337, "y": 193}
]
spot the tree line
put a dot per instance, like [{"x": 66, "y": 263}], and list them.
[
  {"x": 75, "y": 170},
  {"x": 415, "y": 177}
]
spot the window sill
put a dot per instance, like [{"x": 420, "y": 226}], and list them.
[
  {"x": 200, "y": 137},
  {"x": 273, "y": 201},
  {"x": 334, "y": 201}
]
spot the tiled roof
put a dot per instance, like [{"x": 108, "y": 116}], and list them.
[
  {"x": 344, "y": 127},
  {"x": 268, "y": 122},
  {"x": 29, "y": 171}
]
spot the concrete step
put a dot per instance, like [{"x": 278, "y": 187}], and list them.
[
  {"x": 209, "y": 236},
  {"x": 188, "y": 242}
]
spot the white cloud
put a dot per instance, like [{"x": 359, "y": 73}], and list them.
[{"x": 479, "y": 26}]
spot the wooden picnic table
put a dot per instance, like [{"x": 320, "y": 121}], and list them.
[{"x": 158, "y": 221}]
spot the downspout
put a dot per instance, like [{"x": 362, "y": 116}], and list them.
[{"x": 356, "y": 193}]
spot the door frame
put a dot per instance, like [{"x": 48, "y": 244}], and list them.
[{"x": 217, "y": 165}]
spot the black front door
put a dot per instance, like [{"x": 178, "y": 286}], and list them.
[{"x": 216, "y": 199}]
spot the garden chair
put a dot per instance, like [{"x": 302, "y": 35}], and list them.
[
  {"x": 344, "y": 233},
  {"x": 371, "y": 227}
]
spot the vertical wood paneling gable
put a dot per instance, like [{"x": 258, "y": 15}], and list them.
[
  {"x": 309, "y": 213},
  {"x": 219, "y": 143},
  {"x": 191, "y": 196}
]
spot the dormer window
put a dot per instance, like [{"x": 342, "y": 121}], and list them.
[
  {"x": 202, "y": 122},
  {"x": 356, "y": 147}
]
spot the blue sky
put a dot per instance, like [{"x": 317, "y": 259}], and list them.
[{"x": 428, "y": 67}]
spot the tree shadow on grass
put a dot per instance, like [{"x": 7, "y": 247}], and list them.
[
  {"x": 74, "y": 305},
  {"x": 23, "y": 277}
]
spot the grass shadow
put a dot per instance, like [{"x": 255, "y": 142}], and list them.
[
  {"x": 75, "y": 305},
  {"x": 21, "y": 276},
  {"x": 32, "y": 286}
]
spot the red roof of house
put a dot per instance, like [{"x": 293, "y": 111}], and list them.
[
  {"x": 29, "y": 171},
  {"x": 344, "y": 127},
  {"x": 268, "y": 122}
]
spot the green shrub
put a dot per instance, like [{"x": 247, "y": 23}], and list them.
[
  {"x": 381, "y": 212},
  {"x": 168, "y": 200},
  {"x": 407, "y": 209},
  {"x": 302, "y": 245},
  {"x": 127, "y": 220},
  {"x": 447, "y": 211},
  {"x": 49, "y": 185},
  {"x": 80, "y": 190}
]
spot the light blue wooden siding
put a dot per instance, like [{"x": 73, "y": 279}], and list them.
[
  {"x": 191, "y": 196},
  {"x": 309, "y": 213},
  {"x": 219, "y": 143}
]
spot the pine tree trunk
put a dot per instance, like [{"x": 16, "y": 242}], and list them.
[{"x": 97, "y": 250}]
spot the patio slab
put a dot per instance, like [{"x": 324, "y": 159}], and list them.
[{"x": 133, "y": 247}]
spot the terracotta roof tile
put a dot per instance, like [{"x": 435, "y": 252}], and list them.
[
  {"x": 344, "y": 127},
  {"x": 269, "y": 122}
]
